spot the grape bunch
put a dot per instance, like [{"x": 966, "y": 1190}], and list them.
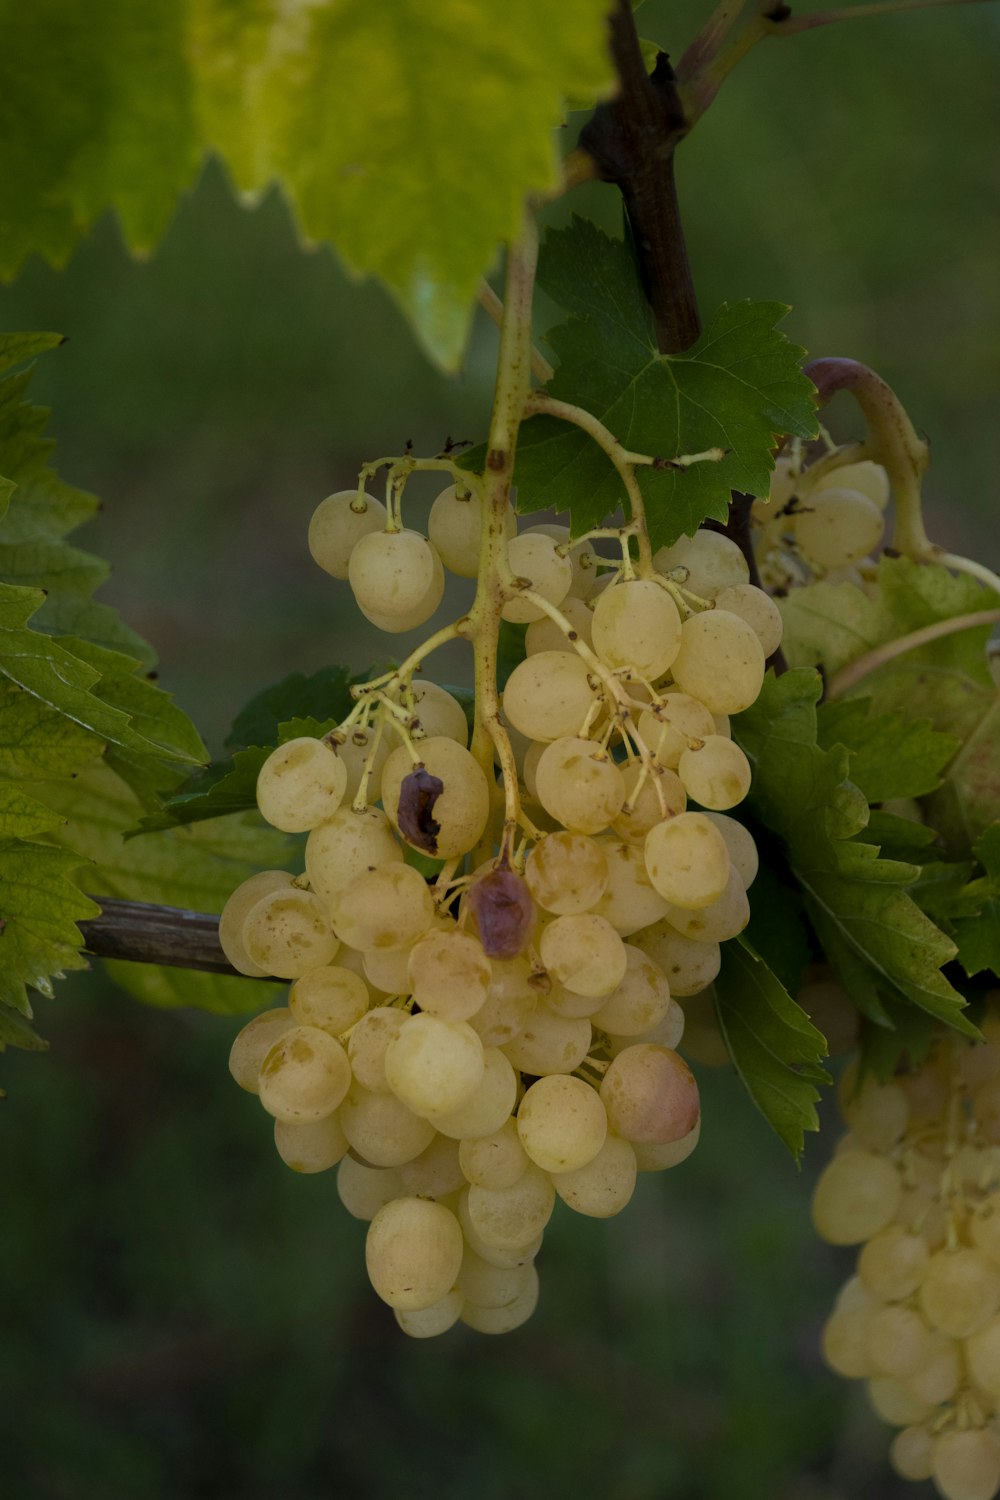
[
  {"x": 916, "y": 1183},
  {"x": 468, "y": 1046},
  {"x": 824, "y": 520}
]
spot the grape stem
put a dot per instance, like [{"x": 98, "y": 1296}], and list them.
[
  {"x": 496, "y": 582},
  {"x": 459, "y": 629},
  {"x": 893, "y": 442},
  {"x": 856, "y": 671},
  {"x": 491, "y": 304}
]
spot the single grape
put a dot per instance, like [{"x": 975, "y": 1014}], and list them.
[
  {"x": 533, "y": 557},
  {"x": 428, "y": 1322},
  {"x": 722, "y": 919},
  {"x": 584, "y": 953},
  {"x": 758, "y": 609},
  {"x": 439, "y": 712},
  {"x": 338, "y": 523},
  {"x": 287, "y": 933},
  {"x": 674, "y": 724},
  {"x": 496, "y": 1160},
  {"x": 546, "y": 635},
  {"x": 687, "y": 861},
  {"x": 489, "y": 1106},
  {"x": 582, "y": 557},
  {"x": 368, "y": 1043},
  {"x": 855, "y": 1197},
  {"x": 237, "y": 909},
  {"x": 604, "y": 1185},
  {"x": 436, "y": 1172},
  {"x": 331, "y": 998},
  {"x": 639, "y": 1002},
  {"x": 455, "y": 529},
  {"x": 391, "y": 572},
  {"x": 338, "y": 851},
  {"x": 562, "y": 1123},
  {"x": 413, "y": 1253},
  {"x": 566, "y": 873},
  {"x": 313, "y": 1147},
  {"x": 717, "y": 774},
  {"x": 720, "y": 661},
  {"x": 304, "y": 1076},
  {"x": 462, "y": 807},
  {"x": 361, "y": 750},
  {"x": 363, "y": 1190},
  {"x": 301, "y": 784},
  {"x": 650, "y": 1095},
  {"x": 548, "y": 696},
  {"x": 637, "y": 626},
  {"x": 509, "y": 1004},
  {"x": 254, "y": 1042},
  {"x": 579, "y": 785},
  {"x": 835, "y": 527},
  {"x": 434, "y": 1066},
  {"x": 382, "y": 1129},
  {"x": 690, "y": 966},
  {"x": 630, "y": 901},
  {"x": 449, "y": 974},
  {"x": 713, "y": 562},
  {"x": 388, "y": 907},
  {"x": 742, "y": 849},
  {"x": 548, "y": 1043},
  {"x": 503, "y": 1319}
]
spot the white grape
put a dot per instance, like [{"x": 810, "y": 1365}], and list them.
[
  {"x": 391, "y": 572},
  {"x": 510, "y": 1218},
  {"x": 639, "y": 1002},
  {"x": 338, "y": 523},
  {"x": 363, "y": 1190},
  {"x": 549, "y": 1043},
  {"x": 287, "y": 933},
  {"x": 758, "y": 609},
  {"x": 496, "y": 1160},
  {"x": 835, "y": 527},
  {"x": 413, "y": 1253},
  {"x": 254, "y": 1042},
  {"x": 566, "y": 873},
  {"x": 584, "y": 953},
  {"x": 510, "y": 1002},
  {"x": 650, "y": 1095},
  {"x": 867, "y": 477},
  {"x": 742, "y": 850},
  {"x": 855, "y": 1197},
  {"x": 533, "y": 557},
  {"x": 304, "y": 1076},
  {"x": 313, "y": 1147},
  {"x": 720, "y": 661},
  {"x": 582, "y": 557},
  {"x": 637, "y": 626},
  {"x": 687, "y": 861},
  {"x": 503, "y": 1319},
  {"x": 966, "y": 1465},
  {"x": 672, "y": 725},
  {"x": 546, "y": 635},
  {"x": 368, "y": 1043},
  {"x": 489, "y": 1107},
  {"x": 604, "y": 1185},
  {"x": 382, "y": 1129},
  {"x": 237, "y": 909},
  {"x": 388, "y": 907},
  {"x": 651, "y": 793},
  {"x": 449, "y": 974},
  {"x": 629, "y": 901},
  {"x": 690, "y": 965},
  {"x": 434, "y": 1066},
  {"x": 436, "y": 1172},
  {"x": 439, "y": 712},
  {"x": 455, "y": 528},
  {"x": 362, "y": 750},
  {"x": 301, "y": 784},
  {"x": 548, "y": 696},
  {"x": 718, "y": 921},
  {"x": 713, "y": 562},
  {"x": 579, "y": 785},
  {"x": 562, "y": 1123},
  {"x": 332, "y": 998},
  {"x": 429, "y": 1322},
  {"x": 350, "y": 842},
  {"x": 717, "y": 774},
  {"x": 418, "y": 614}
]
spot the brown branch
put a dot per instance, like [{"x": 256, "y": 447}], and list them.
[
  {"x": 146, "y": 934},
  {"x": 632, "y": 139}
]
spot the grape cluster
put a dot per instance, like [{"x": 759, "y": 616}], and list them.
[
  {"x": 820, "y": 521},
  {"x": 916, "y": 1183},
  {"x": 470, "y": 1048}
]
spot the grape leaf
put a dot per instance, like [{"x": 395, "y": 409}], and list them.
[
  {"x": 39, "y": 909},
  {"x": 15, "y": 348},
  {"x": 872, "y": 931},
  {"x": 196, "y": 868},
  {"x": 898, "y": 837},
  {"x": 23, "y": 816},
  {"x": 907, "y": 1039},
  {"x": 324, "y": 696},
  {"x": 737, "y": 388},
  {"x": 978, "y": 936},
  {"x": 376, "y": 120},
  {"x": 892, "y": 755},
  {"x": 17, "y": 1031},
  {"x": 36, "y": 742},
  {"x": 775, "y": 1048}
]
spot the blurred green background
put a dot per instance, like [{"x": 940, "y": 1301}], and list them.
[{"x": 183, "y": 1316}]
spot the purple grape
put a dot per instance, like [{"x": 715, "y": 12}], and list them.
[
  {"x": 418, "y": 795},
  {"x": 504, "y": 912}
]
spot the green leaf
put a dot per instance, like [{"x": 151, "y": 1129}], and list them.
[
  {"x": 892, "y": 755},
  {"x": 39, "y": 909},
  {"x": 978, "y": 936},
  {"x": 152, "y": 712},
  {"x": 376, "y": 120},
  {"x": 906, "y": 1039},
  {"x": 323, "y": 695},
  {"x": 872, "y": 931},
  {"x": 898, "y": 837},
  {"x": 774, "y": 1046},
  {"x": 15, "y": 348},
  {"x": 17, "y": 1031},
  {"x": 57, "y": 677},
  {"x": 947, "y": 681},
  {"x": 197, "y": 868},
  {"x": 738, "y": 388},
  {"x": 777, "y": 928},
  {"x": 45, "y": 506},
  {"x": 212, "y": 793},
  {"x": 38, "y": 743},
  {"x": 23, "y": 816}
]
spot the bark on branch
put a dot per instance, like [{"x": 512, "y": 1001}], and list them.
[
  {"x": 632, "y": 139},
  {"x": 147, "y": 934}
]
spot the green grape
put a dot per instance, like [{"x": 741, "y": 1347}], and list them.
[
  {"x": 304, "y": 1076},
  {"x": 562, "y": 1123},
  {"x": 533, "y": 556},
  {"x": 603, "y": 1186},
  {"x": 313, "y": 1147},
  {"x": 720, "y": 661},
  {"x": 301, "y": 784},
  {"x": 287, "y": 933},
  {"x": 548, "y": 696},
  {"x": 455, "y": 529},
  {"x": 392, "y": 572},
  {"x": 713, "y": 562},
  {"x": 413, "y": 1253}
]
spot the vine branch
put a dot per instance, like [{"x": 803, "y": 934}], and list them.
[
  {"x": 171, "y": 936},
  {"x": 631, "y": 139}
]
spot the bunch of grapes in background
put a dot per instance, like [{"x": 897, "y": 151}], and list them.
[
  {"x": 916, "y": 1183},
  {"x": 824, "y": 520},
  {"x": 470, "y": 1039}
]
